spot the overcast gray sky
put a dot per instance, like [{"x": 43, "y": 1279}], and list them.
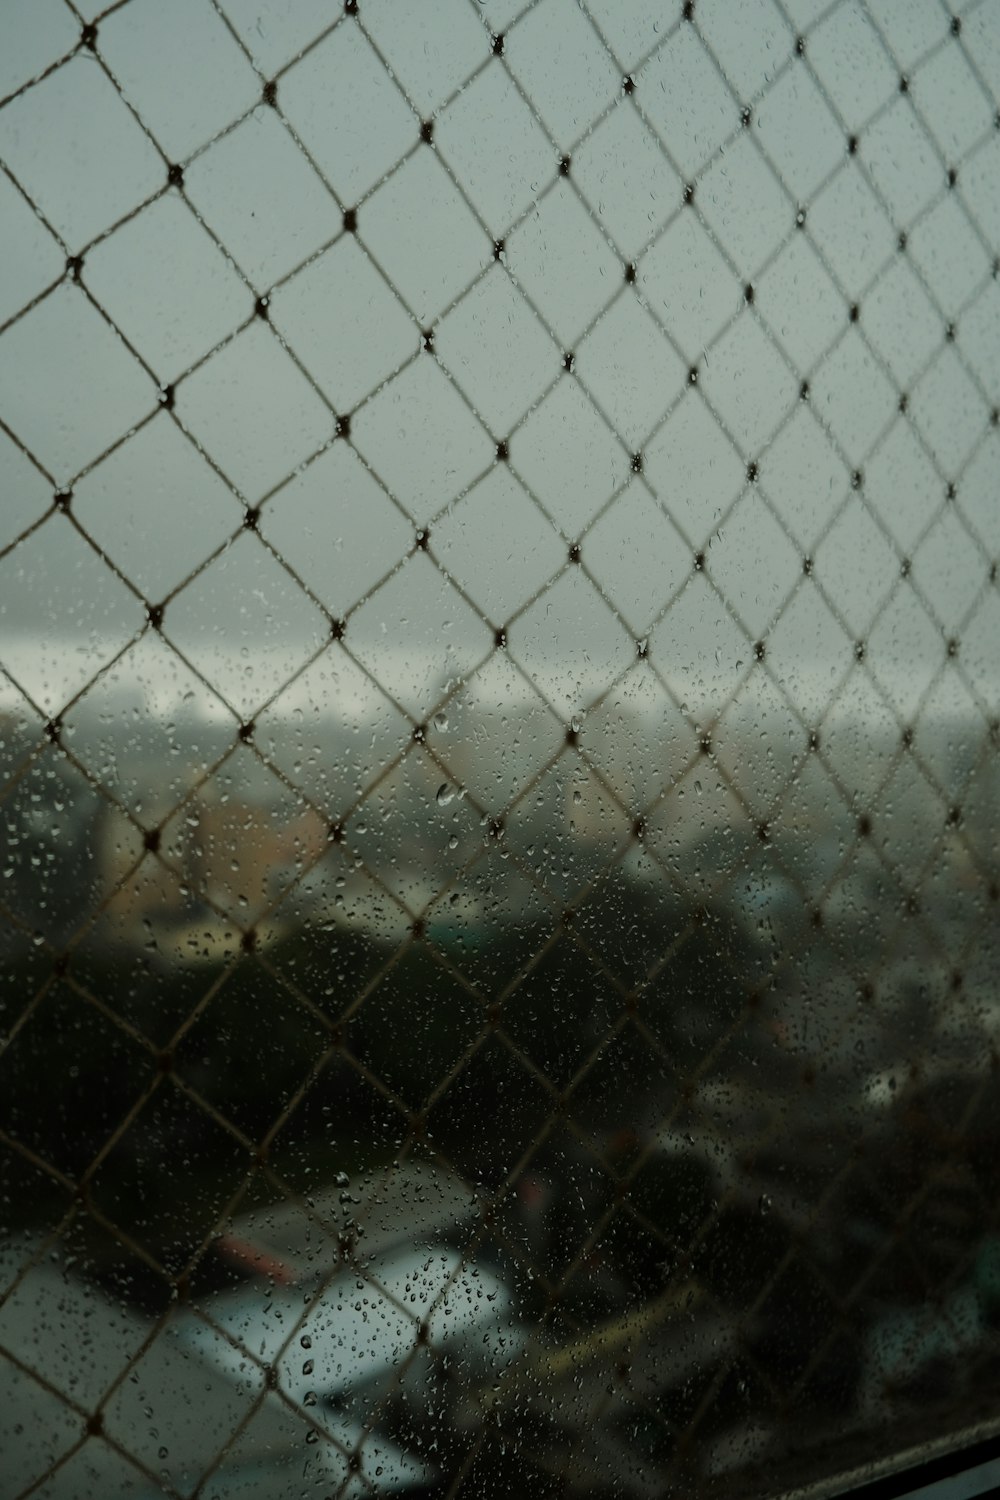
[{"x": 803, "y": 199}]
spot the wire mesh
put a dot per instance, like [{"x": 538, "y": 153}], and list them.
[{"x": 500, "y": 725}]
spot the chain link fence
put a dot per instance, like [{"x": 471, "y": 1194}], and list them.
[{"x": 499, "y": 721}]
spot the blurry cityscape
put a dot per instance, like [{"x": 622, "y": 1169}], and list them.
[
  {"x": 717, "y": 1065},
  {"x": 783, "y": 825}
]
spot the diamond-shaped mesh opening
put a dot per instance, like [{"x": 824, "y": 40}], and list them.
[{"x": 499, "y": 725}]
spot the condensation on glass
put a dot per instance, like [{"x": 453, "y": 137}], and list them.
[{"x": 499, "y": 727}]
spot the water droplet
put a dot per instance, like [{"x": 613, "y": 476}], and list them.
[
  {"x": 445, "y": 794},
  {"x": 305, "y": 1341},
  {"x": 764, "y": 1204}
]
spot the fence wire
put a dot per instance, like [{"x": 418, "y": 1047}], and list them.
[{"x": 567, "y": 503}]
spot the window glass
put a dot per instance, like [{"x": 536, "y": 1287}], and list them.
[{"x": 499, "y": 721}]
